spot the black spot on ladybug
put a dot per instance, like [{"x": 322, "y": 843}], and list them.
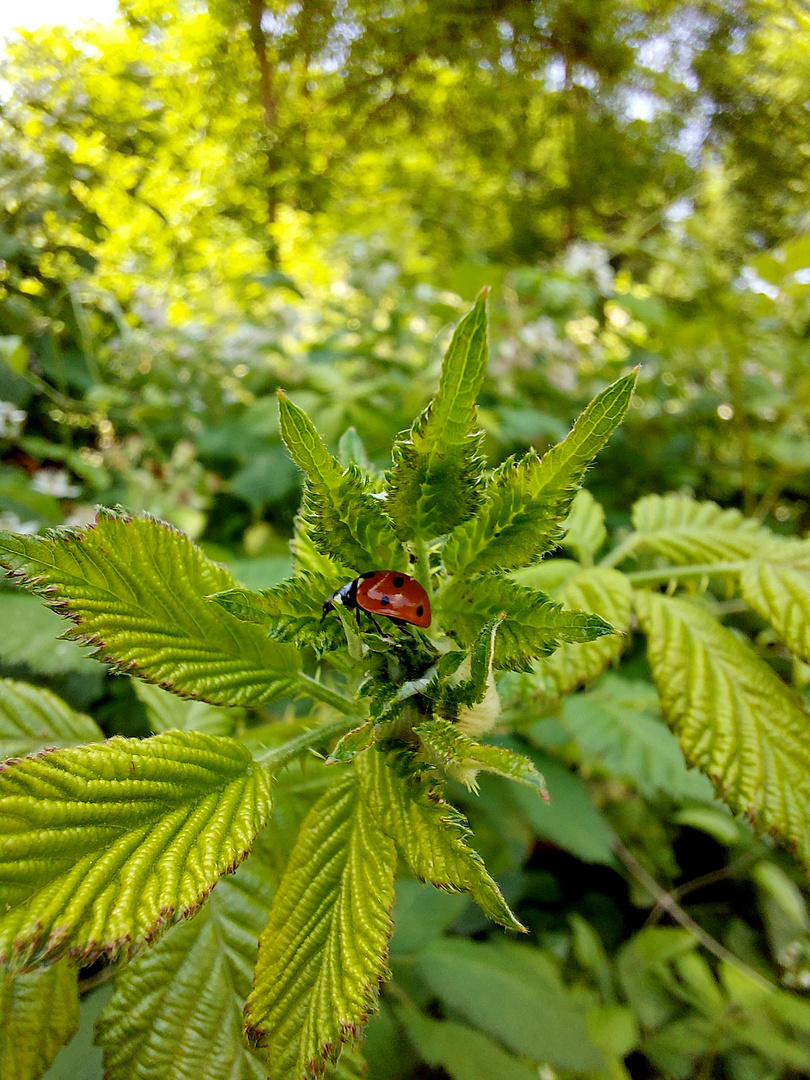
[
  {"x": 370, "y": 573},
  {"x": 384, "y": 600},
  {"x": 420, "y": 611},
  {"x": 399, "y": 581}
]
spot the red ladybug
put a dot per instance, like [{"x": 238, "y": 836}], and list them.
[{"x": 384, "y": 592}]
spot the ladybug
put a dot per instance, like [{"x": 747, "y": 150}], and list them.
[{"x": 383, "y": 592}]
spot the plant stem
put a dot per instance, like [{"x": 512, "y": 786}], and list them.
[
  {"x": 620, "y": 552},
  {"x": 668, "y": 573},
  {"x": 423, "y": 566},
  {"x": 667, "y": 902},
  {"x": 305, "y": 685},
  {"x": 280, "y": 755}
]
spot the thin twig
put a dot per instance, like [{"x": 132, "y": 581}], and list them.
[{"x": 665, "y": 900}]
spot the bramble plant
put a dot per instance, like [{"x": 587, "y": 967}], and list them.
[{"x": 104, "y": 845}]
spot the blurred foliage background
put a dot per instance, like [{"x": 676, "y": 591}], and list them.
[{"x": 201, "y": 202}]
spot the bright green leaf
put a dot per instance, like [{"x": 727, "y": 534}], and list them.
[
  {"x": 584, "y": 530},
  {"x": 526, "y": 502},
  {"x": 780, "y": 593},
  {"x": 135, "y": 589},
  {"x": 434, "y": 479},
  {"x": 39, "y": 1013},
  {"x": 323, "y": 952},
  {"x": 534, "y": 627},
  {"x": 735, "y": 719},
  {"x": 430, "y": 832},
  {"x": 289, "y": 611},
  {"x": 102, "y": 845},
  {"x": 684, "y": 531},
  {"x": 345, "y": 521},
  {"x": 606, "y": 593},
  {"x": 32, "y": 718},
  {"x": 452, "y": 747}
]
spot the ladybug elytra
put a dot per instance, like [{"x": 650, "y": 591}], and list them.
[{"x": 383, "y": 592}]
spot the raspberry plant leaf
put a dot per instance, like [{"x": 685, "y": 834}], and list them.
[
  {"x": 32, "y": 718},
  {"x": 606, "y": 593},
  {"x": 102, "y": 845},
  {"x": 45, "y": 1002},
  {"x": 779, "y": 591},
  {"x": 525, "y": 503},
  {"x": 735, "y": 718},
  {"x": 135, "y": 590},
  {"x": 170, "y": 998},
  {"x": 343, "y": 518},
  {"x": 431, "y": 833},
  {"x": 323, "y": 951},
  {"x": 684, "y": 531},
  {"x": 433, "y": 483},
  {"x": 535, "y": 624},
  {"x": 291, "y": 611},
  {"x": 464, "y": 756}
]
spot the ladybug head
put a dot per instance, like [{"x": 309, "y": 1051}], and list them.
[{"x": 327, "y": 607}]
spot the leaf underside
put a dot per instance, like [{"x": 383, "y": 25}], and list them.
[
  {"x": 686, "y": 532},
  {"x": 39, "y": 1014},
  {"x": 170, "y": 998},
  {"x": 135, "y": 590},
  {"x": 102, "y": 846},
  {"x": 735, "y": 719},
  {"x": 32, "y": 718}
]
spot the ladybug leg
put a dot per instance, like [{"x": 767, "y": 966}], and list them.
[{"x": 377, "y": 627}]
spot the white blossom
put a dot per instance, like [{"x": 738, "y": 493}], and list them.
[
  {"x": 11, "y": 419},
  {"x": 55, "y": 482},
  {"x": 11, "y": 523}
]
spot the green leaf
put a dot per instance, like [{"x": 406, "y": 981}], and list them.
[
  {"x": 462, "y": 1052},
  {"x": 323, "y": 952},
  {"x": 32, "y": 718},
  {"x": 684, "y": 531},
  {"x": 291, "y": 610},
  {"x": 343, "y": 518},
  {"x": 174, "y": 997},
  {"x": 35, "y": 642},
  {"x": 619, "y": 727},
  {"x": 569, "y": 819},
  {"x": 433, "y": 483},
  {"x": 780, "y": 593},
  {"x": 534, "y": 627},
  {"x": 352, "y": 743},
  {"x": 103, "y": 845},
  {"x": 452, "y": 747},
  {"x": 526, "y": 502},
  {"x": 430, "y": 832},
  {"x": 14, "y": 353},
  {"x": 168, "y": 712},
  {"x": 135, "y": 589},
  {"x": 584, "y": 530},
  {"x": 735, "y": 719},
  {"x": 511, "y": 991},
  {"x": 40, "y": 1013},
  {"x": 606, "y": 593}
]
